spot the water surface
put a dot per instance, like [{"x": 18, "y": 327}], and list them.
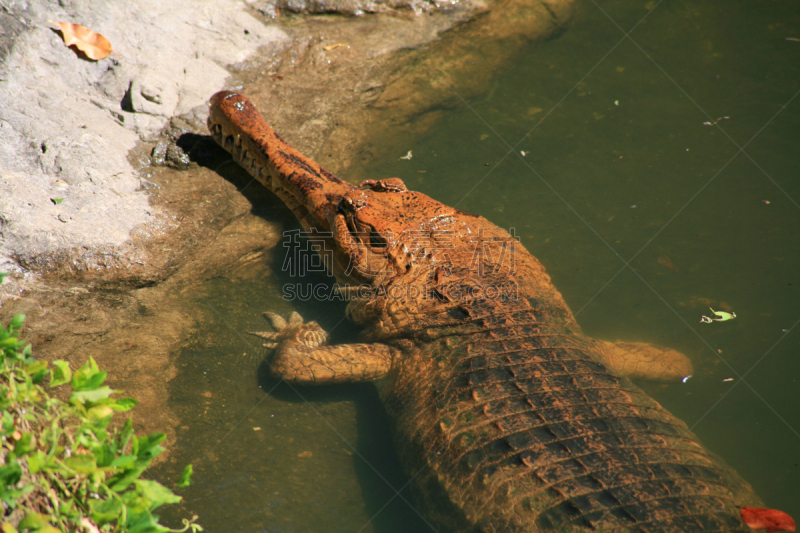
[{"x": 655, "y": 175}]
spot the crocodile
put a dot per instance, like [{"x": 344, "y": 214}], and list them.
[{"x": 506, "y": 417}]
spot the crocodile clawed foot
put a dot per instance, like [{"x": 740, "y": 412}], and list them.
[{"x": 307, "y": 333}]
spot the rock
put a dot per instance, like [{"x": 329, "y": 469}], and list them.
[
  {"x": 154, "y": 93},
  {"x": 159, "y": 154},
  {"x": 177, "y": 158},
  {"x": 200, "y": 78},
  {"x": 69, "y": 122}
]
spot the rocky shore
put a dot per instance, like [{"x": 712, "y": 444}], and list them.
[{"x": 110, "y": 200}]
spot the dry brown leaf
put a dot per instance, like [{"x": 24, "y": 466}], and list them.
[{"x": 94, "y": 45}]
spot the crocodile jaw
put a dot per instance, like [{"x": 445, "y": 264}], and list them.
[
  {"x": 367, "y": 228},
  {"x": 309, "y": 190}
]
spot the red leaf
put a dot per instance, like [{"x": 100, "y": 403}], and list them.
[{"x": 770, "y": 519}]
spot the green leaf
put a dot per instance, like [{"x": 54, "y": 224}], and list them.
[
  {"x": 144, "y": 523},
  {"x": 84, "y": 374},
  {"x": 35, "y": 368},
  {"x": 10, "y": 496},
  {"x": 34, "y": 521},
  {"x": 123, "y": 404},
  {"x": 156, "y": 493},
  {"x": 99, "y": 412},
  {"x": 105, "y": 511},
  {"x": 39, "y": 377},
  {"x": 10, "y": 473},
  {"x": 186, "y": 477},
  {"x": 60, "y": 374},
  {"x": 56, "y": 201},
  {"x": 125, "y": 435},
  {"x": 83, "y": 396},
  {"x": 149, "y": 445},
  {"x": 92, "y": 382},
  {"x": 10, "y": 342},
  {"x": 83, "y": 464},
  {"x": 123, "y": 460},
  {"x": 122, "y": 481},
  {"x": 3, "y": 276},
  {"x": 17, "y": 322},
  {"x": 25, "y": 445}
]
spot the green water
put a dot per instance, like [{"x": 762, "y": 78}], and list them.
[{"x": 642, "y": 215}]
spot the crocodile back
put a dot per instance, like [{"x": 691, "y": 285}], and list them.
[{"x": 515, "y": 427}]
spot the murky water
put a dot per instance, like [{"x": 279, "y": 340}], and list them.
[{"x": 594, "y": 148}]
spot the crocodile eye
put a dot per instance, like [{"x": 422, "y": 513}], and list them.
[
  {"x": 376, "y": 241},
  {"x": 350, "y": 205},
  {"x": 346, "y": 205}
]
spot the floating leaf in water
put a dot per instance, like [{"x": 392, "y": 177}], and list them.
[
  {"x": 770, "y": 520},
  {"x": 94, "y": 45},
  {"x": 186, "y": 476}
]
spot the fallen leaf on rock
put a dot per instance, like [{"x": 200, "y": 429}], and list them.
[
  {"x": 332, "y": 46},
  {"x": 94, "y": 45}
]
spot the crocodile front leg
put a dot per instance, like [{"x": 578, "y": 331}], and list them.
[{"x": 302, "y": 356}]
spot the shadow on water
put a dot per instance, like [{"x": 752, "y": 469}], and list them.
[
  {"x": 384, "y": 486},
  {"x": 269, "y": 456}
]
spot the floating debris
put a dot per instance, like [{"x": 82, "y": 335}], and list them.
[
  {"x": 722, "y": 316},
  {"x": 715, "y": 122},
  {"x": 407, "y": 156}
]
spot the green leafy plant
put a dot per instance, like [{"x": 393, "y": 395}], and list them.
[{"x": 63, "y": 466}]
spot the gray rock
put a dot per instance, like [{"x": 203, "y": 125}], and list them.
[
  {"x": 68, "y": 124},
  {"x": 154, "y": 93}
]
